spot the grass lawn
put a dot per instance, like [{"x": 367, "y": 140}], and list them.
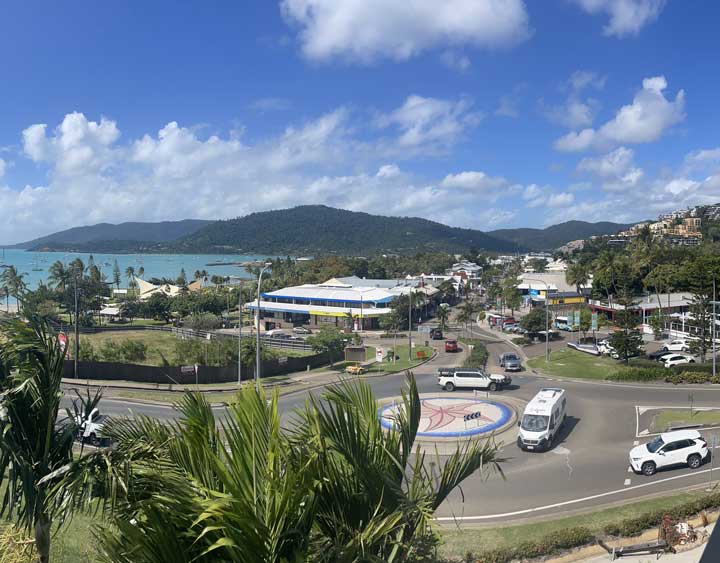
[
  {"x": 403, "y": 362},
  {"x": 664, "y": 418},
  {"x": 571, "y": 363},
  {"x": 159, "y": 343},
  {"x": 456, "y": 543}
]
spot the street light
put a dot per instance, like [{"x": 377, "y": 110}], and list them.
[
  {"x": 240, "y": 304},
  {"x": 547, "y": 315},
  {"x": 257, "y": 342}
]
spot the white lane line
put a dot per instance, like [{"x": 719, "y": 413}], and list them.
[
  {"x": 627, "y": 482},
  {"x": 568, "y": 502}
]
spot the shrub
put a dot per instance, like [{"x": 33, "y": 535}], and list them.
[
  {"x": 637, "y": 525},
  {"x": 552, "y": 543},
  {"x": 639, "y": 374},
  {"x": 479, "y": 355},
  {"x": 132, "y": 351},
  {"x": 399, "y": 335},
  {"x": 521, "y": 341},
  {"x": 692, "y": 377}
]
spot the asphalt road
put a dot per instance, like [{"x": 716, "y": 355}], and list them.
[{"x": 588, "y": 466}]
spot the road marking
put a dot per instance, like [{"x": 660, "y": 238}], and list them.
[
  {"x": 568, "y": 502},
  {"x": 627, "y": 482},
  {"x": 636, "y": 443},
  {"x": 559, "y": 450},
  {"x": 630, "y": 469}
]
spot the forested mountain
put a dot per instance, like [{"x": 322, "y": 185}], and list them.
[
  {"x": 79, "y": 237},
  {"x": 317, "y": 229},
  {"x": 556, "y": 235}
]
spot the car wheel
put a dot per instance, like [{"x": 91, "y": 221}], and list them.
[
  {"x": 93, "y": 439},
  {"x": 694, "y": 461},
  {"x": 449, "y": 386},
  {"x": 493, "y": 386},
  {"x": 665, "y": 349},
  {"x": 691, "y": 361},
  {"x": 648, "y": 468}
]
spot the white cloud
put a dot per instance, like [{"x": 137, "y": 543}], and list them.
[
  {"x": 703, "y": 157},
  {"x": 473, "y": 181},
  {"x": 644, "y": 120},
  {"x": 575, "y": 111},
  {"x": 561, "y": 199},
  {"x": 369, "y": 30},
  {"x": 678, "y": 186},
  {"x": 76, "y": 144},
  {"x": 616, "y": 169},
  {"x": 455, "y": 61},
  {"x": 545, "y": 196},
  {"x": 431, "y": 122},
  {"x": 627, "y": 17},
  {"x": 3, "y": 165},
  {"x": 388, "y": 171}
]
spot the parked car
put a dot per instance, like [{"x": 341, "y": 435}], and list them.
[
  {"x": 355, "y": 369},
  {"x": 510, "y": 361},
  {"x": 510, "y": 327},
  {"x": 678, "y": 345},
  {"x": 301, "y": 330},
  {"x": 682, "y": 447},
  {"x": 276, "y": 333},
  {"x": 466, "y": 378},
  {"x": 451, "y": 346},
  {"x": 658, "y": 355},
  {"x": 436, "y": 334},
  {"x": 677, "y": 360}
]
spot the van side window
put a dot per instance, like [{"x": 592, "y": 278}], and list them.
[{"x": 563, "y": 403}]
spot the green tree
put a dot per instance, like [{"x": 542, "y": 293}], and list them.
[
  {"x": 538, "y": 265},
  {"x": 657, "y": 323},
  {"x": 36, "y": 443},
  {"x": 141, "y": 271},
  {"x": 182, "y": 278},
  {"x": 699, "y": 274},
  {"x": 627, "y": 341},
  {"x": 329, "y": 340},
  {"x": 130, "y": 307},
  {"x": 13, "y": 283},
  {"x": 577, "y": 274},
  {"x": 467, "y": 313},
  {"x": 116, "y": 274},
  {"x": 535, "y": 320},
  {"x": 59, "y": 276},
  {"x": 442, "y": 314}
]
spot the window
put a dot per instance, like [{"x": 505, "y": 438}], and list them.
[
  {"x": 534, "y": 422},
  {"x": 654, "y": 445}
]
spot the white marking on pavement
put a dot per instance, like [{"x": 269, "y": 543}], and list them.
[
  {"x": 630, "y": 470},
  {"x": 559, "y": 450},
  {"x": 636, "y": 443},
  {"x": 568, "y": 502},
  {"x": 627, "y": 482}
]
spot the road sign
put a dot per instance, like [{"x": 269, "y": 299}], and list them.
[
  {"x": 379, "y": 354},
  {"x": 188, "y": 369},
  {"x": 62, "y": 339},
  {"x": 472, "y": 416}
]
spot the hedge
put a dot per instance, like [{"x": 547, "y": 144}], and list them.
[
  {"x": 692, "y": 377},
  {"x": 549, "y": 545},
  {"x": 637, "y": 525},
  {"x": 681, "y": 374},
  {"x": 639, "y": 374},
  {"x": 521, "y": 341},
  {"x": 479, "y": 355}
]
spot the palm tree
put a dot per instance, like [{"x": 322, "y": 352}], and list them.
[
  {"x": 13, "y": 284},
  {"x": 141, "y": 271},
  {"x": 60, "y": 276},
  {"x": 378, "y": 498},
  {"x": 467, "y": 310},
  {"x": 442, "y": 316},
  {"x": 577, "y": 274},
  {"x": 35, "y": 445}
]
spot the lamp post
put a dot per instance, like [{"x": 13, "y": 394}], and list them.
[
  {"x": 410, "y": 325},
  {"x": 547, "y": 316},
  {"x": 257, "y": 341},
  {"x": 240, "y": 304},
  {"x": 77, "y": 333},
  {"x": 714, "y": 329}
]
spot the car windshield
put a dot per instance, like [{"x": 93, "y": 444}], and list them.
[
  {"x": 511, "y": 357},
  {"x": 655, "y": 445},
  {"x": 534, "y": 422}
]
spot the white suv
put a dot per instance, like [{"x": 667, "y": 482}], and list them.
[
  {"x": 682, "y": 447},
  {"x": 678, "y": 345},
  {"x": 677, "y": 360},
  {"x": 451, "y": 379}
]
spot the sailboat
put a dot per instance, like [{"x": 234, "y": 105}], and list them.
[
  {"x": 36, "y": 267},
  {"x": 2, "y": 263}
]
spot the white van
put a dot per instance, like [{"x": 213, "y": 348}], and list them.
[{"x": 542, "y": 419}]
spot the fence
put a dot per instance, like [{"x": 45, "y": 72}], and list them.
[{"x": 115, "y": 371}]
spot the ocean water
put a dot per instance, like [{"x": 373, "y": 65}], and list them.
[{"x": 35, "y": 265}]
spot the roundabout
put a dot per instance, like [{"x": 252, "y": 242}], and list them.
[{"x": 453, "y": 417}]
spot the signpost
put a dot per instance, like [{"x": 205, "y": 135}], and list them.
[
  {"x": 62, "y": 339},
  {"x": 379, "y": 354},
  {"x": 190, "y": 369}
]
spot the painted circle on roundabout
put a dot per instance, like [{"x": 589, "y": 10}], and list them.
[{"x": 452, "y": 417}]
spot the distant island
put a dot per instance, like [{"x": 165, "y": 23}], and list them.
[{"x": 310, "y": 230}]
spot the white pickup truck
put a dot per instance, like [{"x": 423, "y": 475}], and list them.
[
  {"x": 470, "y": 378},
  {"x": 91, "y": 429}
]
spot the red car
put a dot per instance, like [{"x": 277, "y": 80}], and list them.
[{"x": 451, "y": 346}]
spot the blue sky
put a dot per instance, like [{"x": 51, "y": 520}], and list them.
[{"x": 477, "y": 113}]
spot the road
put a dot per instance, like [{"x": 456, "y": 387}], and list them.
[{"x": 588, "y": 467}]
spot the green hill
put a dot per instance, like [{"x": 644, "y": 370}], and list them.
[
  {"x": 555, "y": 236},
  {"x": 317, "y": 229}
]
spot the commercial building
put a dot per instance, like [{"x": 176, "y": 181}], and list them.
[{"x": 351, "y": 302}]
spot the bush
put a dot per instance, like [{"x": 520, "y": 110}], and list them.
[
  {"x": 692, "y": 377},
  {"x": 551, "y": 544},
  {"x": 639, "y": 374},
  {"x": 637, "y": 525},
  {"x": 521, "y": 341},
  {"x": 399, "y": 335},
  {"x": 479, "y": 355}
]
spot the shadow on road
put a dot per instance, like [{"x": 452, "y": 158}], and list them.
[{"x": 570, "y": 423}]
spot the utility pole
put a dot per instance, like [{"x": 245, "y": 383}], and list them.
[
  {"x": 257, "y": 342},
  {"x": 410, "y": 325},
  {"x": 713, "y": 329},
  {"x": 77, "y": 332},
  {"x": 240, "y": 304}
]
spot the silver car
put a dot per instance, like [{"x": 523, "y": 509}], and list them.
[{"x": 510, "y": 361}]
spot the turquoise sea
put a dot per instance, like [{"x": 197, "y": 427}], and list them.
[{"x": 35, "y": 265}]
